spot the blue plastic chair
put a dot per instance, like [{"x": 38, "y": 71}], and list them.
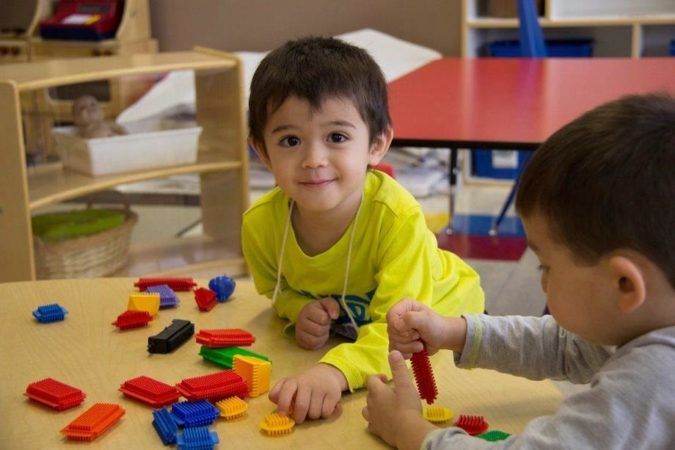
[{"x": 531, "y": 46}]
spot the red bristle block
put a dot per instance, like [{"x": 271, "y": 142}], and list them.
[
  {"x": 424, "y": 376},
  {"x": 55, "y": 394},
  {"x": 231, "y": 337},
  {"x": 177, "y": 284},
  {"x": 205, "y": 298},
  {"x": 132, "y": 319},
  {"x": 473, "y": 425},
  {"x": 213, "y": 387},
  {"x": 150, "y": 391},
  {"x": 93, "y": 422}
]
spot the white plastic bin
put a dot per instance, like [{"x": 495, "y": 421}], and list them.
[{"x": 141, "y": 149}]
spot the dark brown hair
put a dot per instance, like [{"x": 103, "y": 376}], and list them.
[
  {"x": 606, "y": 181},
  {"x": 313, "y": 69}
]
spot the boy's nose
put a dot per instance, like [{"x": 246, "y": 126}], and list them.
[{"x": 315, "y": 156}]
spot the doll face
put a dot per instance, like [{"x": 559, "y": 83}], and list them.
[{"x": 86, "y": 111}]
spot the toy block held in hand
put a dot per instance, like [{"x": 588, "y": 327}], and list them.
[
  {"x": 50, "y": 313},
  {"x": 205, "y": 298},
  {"x": 194, "y": 414},
  {"x": 177, "y": 284},
  {"x": 53, "y": 393},
  {"x": 144, "y": 301},
  {"x": 232, "y": 407},
  {"x": 472, "y": 424},
  {"x": 276, "y": 424},
  {"x": 197, "y": 438},
  {"x": 171, "y": 337},
  {"x": 93, "y": 422},
  {"x": 424, "y": 376},
  {"x": 224, "y": 338},
  {"x": 255, "y": 372},
  {"x": 167, "y": 297},
  {"x": 213, "y": 387},
  {"x": 132, "y": 319},
  {"x": 150, "y": 391}
]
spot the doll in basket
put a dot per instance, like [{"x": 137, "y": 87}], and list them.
[{"x": 89, "y": 119}]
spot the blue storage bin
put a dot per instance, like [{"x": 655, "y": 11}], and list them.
[
  {"x": 672, "y": 47},
  {"x": 555, "y": 48},
  {"x": 499, "y": 164}
]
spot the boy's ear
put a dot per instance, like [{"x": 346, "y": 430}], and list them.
[
  {"x": 260, "y": 150},
  {"x": 629, "y": 281},
  {"x": 380, "y": 146}
]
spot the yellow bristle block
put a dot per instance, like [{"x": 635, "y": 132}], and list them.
[
  {"x": 232, "y": 407},
  {"x": 275, "y": 424},
  {"x": 436, "y": 413},
  {"x": 144, "y": 301},
  {"x": 255, "y": 372}
]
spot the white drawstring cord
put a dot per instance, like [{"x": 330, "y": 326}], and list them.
[
  {"x": 349, "y": 260},
  {"x": 281, "y": 253}
]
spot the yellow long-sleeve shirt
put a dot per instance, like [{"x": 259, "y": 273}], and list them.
[{"x": 394, "y": 255}]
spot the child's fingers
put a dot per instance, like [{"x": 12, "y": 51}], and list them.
[
  {"x": 400, "y": 372},
  {"x": 286, "y": 395},
  {"x": 403, "y": 306},
  {"x": 416, "y": 320},
  {"x": 318, "y": 315},
  {"x": 274, "y": 393},
  {"x": 331, "y": 307},
  {"x": 316, "y": 405},
  {"x": 313, "y": 328},
  {"x": 310, "y": 342},
  {"x": 375, "y": 383},
  {"x": 330, "y": 404},
  {"x": 301, "y": 405}
]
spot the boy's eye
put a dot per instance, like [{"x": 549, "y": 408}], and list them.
[
  {"x": 337, "y": 137},
  {"x": 542, "y": 268},
  {"x": 289, "y": 141}
]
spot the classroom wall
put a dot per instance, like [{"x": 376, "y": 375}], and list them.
[{"x": 257, "y": 25}]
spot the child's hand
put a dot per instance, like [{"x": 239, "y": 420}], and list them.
[
  {"x": 395, "y": 415},
  {"x": 313, "y": 325},
  {"x": 314, "y": 393},
  {"x": 409, "y": 322}
]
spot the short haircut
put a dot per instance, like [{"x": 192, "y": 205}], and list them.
[
  {"x": 314, "y": 69},
  {"x": 606, "y": 181}
]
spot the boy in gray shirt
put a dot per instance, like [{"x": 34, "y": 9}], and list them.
[{"x": 597, "y": 202}]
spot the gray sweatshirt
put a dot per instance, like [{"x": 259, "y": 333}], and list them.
[{"x": 630, "y": 403}]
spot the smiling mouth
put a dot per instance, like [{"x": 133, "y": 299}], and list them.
[{"x": 316, "y": 183}]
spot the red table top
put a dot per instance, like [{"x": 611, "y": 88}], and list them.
[{"x": 512, "y": 103}]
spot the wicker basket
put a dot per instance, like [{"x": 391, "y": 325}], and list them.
[{"x": 97, "y": 255}]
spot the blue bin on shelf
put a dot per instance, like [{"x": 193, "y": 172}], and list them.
[
  {"x": 555, "y": 48},
  {"x": 672, "y": 47},
  {"x": 505, "y": 165}
]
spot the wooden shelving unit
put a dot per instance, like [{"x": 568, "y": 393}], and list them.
[
  {"x": 619, "y": 28},
  {"x": 221, "y": 162}
]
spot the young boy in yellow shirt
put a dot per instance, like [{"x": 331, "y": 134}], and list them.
[
  {"x": 336, "y": 244},
  {"x": 598, "y": 203}
]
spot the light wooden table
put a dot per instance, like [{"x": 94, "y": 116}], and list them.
[{"x": 87, "y": 352}]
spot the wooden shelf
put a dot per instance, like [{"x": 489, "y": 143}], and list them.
[
  {"x": 46, "y": 74},
  {"x": 495, "y": 22},
  {"x": 58, "y": 186},
  {"x": 618, "y": 29},
  {"x": 222, "y": 159}
]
